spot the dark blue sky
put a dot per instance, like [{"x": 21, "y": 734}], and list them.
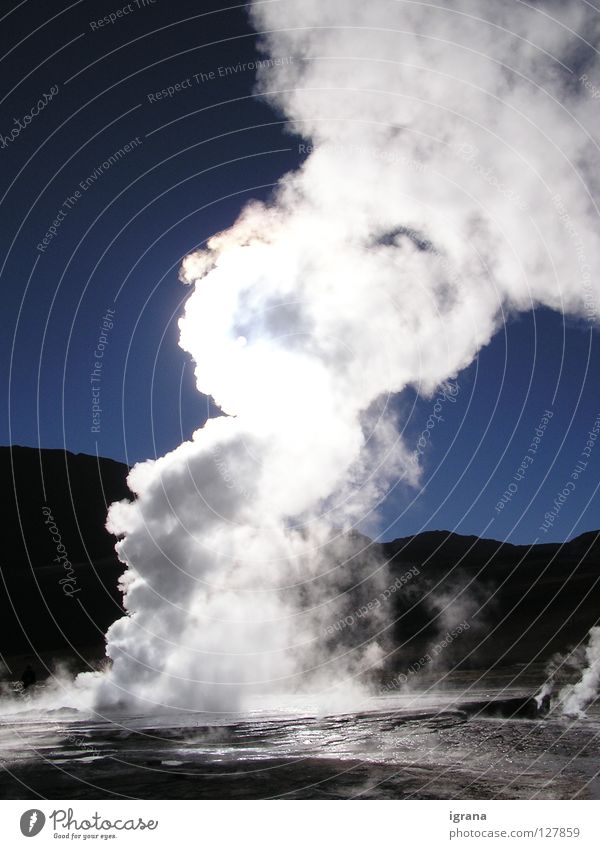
[{"x": 194, "y": 159}]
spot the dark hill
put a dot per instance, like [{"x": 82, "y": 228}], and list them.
[
  {"x": 75, "y": 487},
  {"x": 522, "y": 603},
  {"x": 36, "y": 613},
  {"x": 525, "y": 601}
]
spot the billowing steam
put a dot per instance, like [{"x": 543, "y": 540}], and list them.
[
  {"x": 584, "y": 662},
  {"x": 577, "y": 697},
  {"x": 451, "y": 179}
]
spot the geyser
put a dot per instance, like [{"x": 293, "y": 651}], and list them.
[{"x": 451, "y": 180}]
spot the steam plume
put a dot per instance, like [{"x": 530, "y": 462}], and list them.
[
  {"x": 451, "y": 180},
  {"x": 574, "y": 698}
]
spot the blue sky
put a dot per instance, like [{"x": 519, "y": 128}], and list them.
[{"x": 203, "y": 152}]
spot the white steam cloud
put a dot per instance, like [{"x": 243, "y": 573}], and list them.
[
  {"x": 575, "y": 698},
  {"x": 451, "y": 178}
]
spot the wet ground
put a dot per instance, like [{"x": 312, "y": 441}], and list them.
[{"x": 400, "y": 747}]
